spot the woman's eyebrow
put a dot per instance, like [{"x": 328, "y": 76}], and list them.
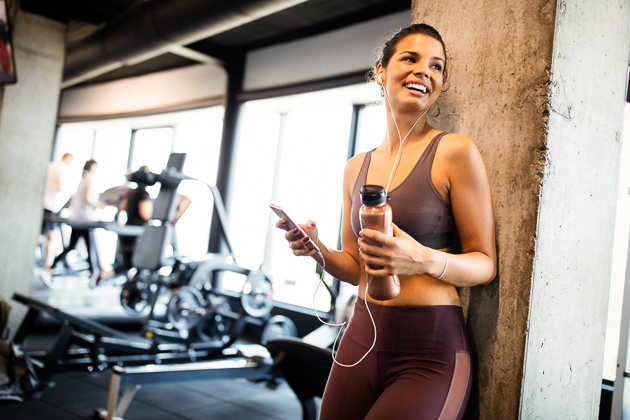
[{"x": 415, "y": 54}]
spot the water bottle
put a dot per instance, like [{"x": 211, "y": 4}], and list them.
[{"x": 376, "y": 214}]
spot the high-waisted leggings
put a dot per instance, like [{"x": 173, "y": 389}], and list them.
[{"x": 420, "y": 367}]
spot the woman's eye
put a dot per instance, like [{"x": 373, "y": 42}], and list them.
[
  {"x": 410, "y": 59},
  {"x": 437, "y": 67}
]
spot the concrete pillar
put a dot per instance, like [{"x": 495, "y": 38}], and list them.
[
  {"x": 27, "y": 127},
  {"x": 540, "y": 87},
  {"x": 576, "y": 216}
]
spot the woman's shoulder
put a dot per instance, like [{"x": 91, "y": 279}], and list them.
[
  {"x": 459, "y": 155},
  {"x": 356, "y": 161},
  {"x": 455, "y": 145},
  {"x": 353, "y": 167}
]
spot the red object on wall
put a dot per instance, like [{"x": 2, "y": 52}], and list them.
[{"x": 5, "y": 58}]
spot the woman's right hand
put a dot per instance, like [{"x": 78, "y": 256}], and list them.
[{"x": 300, "y": 244}]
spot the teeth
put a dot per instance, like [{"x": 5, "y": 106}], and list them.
[{"x": 417, "y": 87}]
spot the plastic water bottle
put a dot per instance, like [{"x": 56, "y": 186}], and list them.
[{"x": 376, "y": 214}]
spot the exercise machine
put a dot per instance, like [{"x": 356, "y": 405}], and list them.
[
  {"x": 192, "y": 321},
  {"x": 186, "y": 300}
]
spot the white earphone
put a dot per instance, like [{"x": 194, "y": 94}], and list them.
[{"x": 380, "y": 79}]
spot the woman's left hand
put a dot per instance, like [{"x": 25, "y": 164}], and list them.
[{"x": 399, "y": 254}]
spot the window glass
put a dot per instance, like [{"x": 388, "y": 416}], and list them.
[
  {"x": 152, "y": 147},
  {"x": 372, "y": 128},
  {"x": 619, "y": 262},
  {"x": 252, "y": 187},
  {"x": 201, "y": 141},
  {"x": 79, "y": 143},
  {"x": 111, "y": 151},
  {"x": 292, "y": 152},
  {"x": 371, "y": 131},
  {"x": 309, "y": 186},
  {"x": 197, "y": 133}
]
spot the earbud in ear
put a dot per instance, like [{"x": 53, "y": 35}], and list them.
[{"x": 380, "y": 79}]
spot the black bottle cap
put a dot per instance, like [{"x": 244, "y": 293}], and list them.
[{"x": 373, "y": 195}]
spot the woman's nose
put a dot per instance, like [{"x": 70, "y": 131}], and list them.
[{"x": 421, "y": 70}]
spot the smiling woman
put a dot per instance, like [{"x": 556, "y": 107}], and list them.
[{"x": 418, "y": 366}]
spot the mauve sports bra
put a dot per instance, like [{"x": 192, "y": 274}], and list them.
[{"x": 418, "y": 208}]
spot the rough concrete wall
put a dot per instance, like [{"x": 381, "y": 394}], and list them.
[
  {"x": 572, "y": 266},
  {"x": 25, "y": 148},
  {"x": 500, "y": 57}
]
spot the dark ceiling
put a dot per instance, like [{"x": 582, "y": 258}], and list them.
[{"x": 306, "y": 19}]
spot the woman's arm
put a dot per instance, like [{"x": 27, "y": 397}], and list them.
[
  {"x": 90, "y": 198},
  {"x": 145, "y": 209},
  {"x": 343, "y": 264},
  {"x": 471, "y": 201},
  {"x": 468, "y": 188}
]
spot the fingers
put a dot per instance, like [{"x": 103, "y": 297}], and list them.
[
  {"x": 398, "y": 232},
  {"x": 294, "y": 235},
  {"x": 307, "y": 251},
  {"x": 377, "y": 260},
  {"x": 373, "y": 255},
  {"x": 375, "y": 250},
  {"x": 282, "y": 224},
  {"x": 301, "y": 239},
  {"x": 376, "y": 237},
  {"x": 385, "y": 255},
  {"x": 310, "y": 225},
  {"x": 373, "y": 242},
  {"x": 377, "y": 266},
  {"x": 302, "y": 246}
]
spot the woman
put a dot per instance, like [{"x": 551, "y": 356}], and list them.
[
  {"x": 84, "y": 202},
  {"x": 419, "y": 366},
  {"x": 138, "y": 205}
]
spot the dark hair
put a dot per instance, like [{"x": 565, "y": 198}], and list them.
[
  {"x": 143, "y": 177},
  {"x": 88, "y": 166},
  {"x": 389, "y": 46}
]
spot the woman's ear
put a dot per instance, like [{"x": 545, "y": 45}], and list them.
[{"x": 379, "y": 75}]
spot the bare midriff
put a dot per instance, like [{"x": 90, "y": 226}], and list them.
[{"x": 417, "y": 290}]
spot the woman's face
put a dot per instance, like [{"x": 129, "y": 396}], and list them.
[{"x": 415, "y": 73}]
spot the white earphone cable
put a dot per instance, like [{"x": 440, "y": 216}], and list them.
[
  {"x": 401, "y": 140},
  {"x": 321, "y": 279}
]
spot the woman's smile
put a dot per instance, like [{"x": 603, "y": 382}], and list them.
[{"x": 420, "y": 89}]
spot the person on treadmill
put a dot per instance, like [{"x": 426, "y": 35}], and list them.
[
  {"x": 84, "y": 202},
  {"x": 138, "y": 206},
  {"x": 57, "y": 191}
]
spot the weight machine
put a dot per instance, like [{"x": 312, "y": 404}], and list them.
[
  {"x": 201, "y": 318},
  {"x": 196, "y": 307},
  {"x": 192, "y": 321}
]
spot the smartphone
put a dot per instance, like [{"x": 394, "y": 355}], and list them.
[{"x": 290, "y": 223}]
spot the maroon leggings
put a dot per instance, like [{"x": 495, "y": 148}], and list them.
[{"x": 420, "y": 367}]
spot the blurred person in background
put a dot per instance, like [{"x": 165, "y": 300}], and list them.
[
  {"x": 56, "y": 195},
  {"x": 84, "y": 203}
]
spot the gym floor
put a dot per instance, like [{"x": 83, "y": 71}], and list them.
[{"x": 76, "y": 395}]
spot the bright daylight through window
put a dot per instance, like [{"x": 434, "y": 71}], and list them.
[{"x": 290, "y": 151}]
